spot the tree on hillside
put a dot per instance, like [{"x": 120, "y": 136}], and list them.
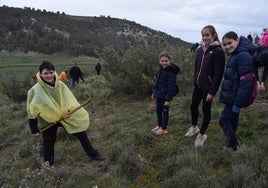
[{"x": 133, "y": 73}]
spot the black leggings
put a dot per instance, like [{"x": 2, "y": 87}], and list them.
[
  {"x": 198, "y": 95},
  {"x": 49, "y": 139}
]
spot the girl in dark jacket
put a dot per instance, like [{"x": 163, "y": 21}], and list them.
[
  {"x": 164, "y": 89},
  {"x": 237, "y": 84},
  {"x": 260, "y": 58},
  {"x": 209, "y": 68}
]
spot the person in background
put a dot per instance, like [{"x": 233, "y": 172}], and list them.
[
  {"x": 237, "y": 84},
  {"x": 209, "y": 68},
  {"x": 76, "y": 74},
  {"x": 63, "y": 76},
  {"x": 194, "y": 47},
  {"x": 261, "y": 59},
  {"x": 50, "y": 100},
  {"x": 34, "y": 79},
  {"x": 256, "y": 40},
  {"x": 264, "y": 39},
  {"x": 82, "y": 77},
  {"x": 250, "y": 37},
  {"x": 163, "y": 91},
  {"x": 98, "y": 68}
]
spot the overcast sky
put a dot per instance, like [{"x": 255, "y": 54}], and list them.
[{"x": 180, "y": 18}]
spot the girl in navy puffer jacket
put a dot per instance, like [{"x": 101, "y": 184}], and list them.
[
  {"x": 237, "y": 84},
  {"x": 164, "y": 89}
]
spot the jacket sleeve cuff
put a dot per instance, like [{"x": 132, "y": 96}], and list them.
[
  {"x": 33, "y": 125},
  {"x": 236, "y": 109}
]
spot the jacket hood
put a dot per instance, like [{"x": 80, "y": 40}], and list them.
[
  {"x": 173, "y": 68},
  {"x": 215, "y": 43},
  {"x": 245, "y": 45}
]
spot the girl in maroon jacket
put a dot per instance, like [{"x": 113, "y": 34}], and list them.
[{"x": 209, "y": 68}]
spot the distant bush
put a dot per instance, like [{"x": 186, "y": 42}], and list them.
[
  {"x": 16, "y": 87},
  {"x": 130, "y": 74}
]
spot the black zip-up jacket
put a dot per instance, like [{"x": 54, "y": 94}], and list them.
[
  {"x": 75, "y": 72},
  {"x": 209, "y": 67},
  {"x": 260, "y": 58}
]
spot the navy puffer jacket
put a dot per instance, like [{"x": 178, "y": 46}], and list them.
[
  {"x": 233, "y": 90},
  {"x": 165, "y": 84}
]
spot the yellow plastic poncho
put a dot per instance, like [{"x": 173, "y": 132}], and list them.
[{"x": 50, "y": 103}]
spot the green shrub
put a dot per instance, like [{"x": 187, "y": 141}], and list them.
[
  {"x": 128, "y": 164},
  {"x": 135, "y": 71},
  {"x": 16, "y": 87},
  {"x": 184, "y": 177},
  {"x": 243, "y": 175}
]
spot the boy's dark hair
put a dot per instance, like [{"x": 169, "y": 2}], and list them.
[
  {"x": 230, "y": 35},
  {"x": 46, "y": 65}
]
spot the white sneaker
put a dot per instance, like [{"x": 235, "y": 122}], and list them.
[
  {"x": 191, "y": 131},
  {"x": 46, "y": 165},
  {"x": 200, "y": 139},
  {"x": 154, "y": 130}
]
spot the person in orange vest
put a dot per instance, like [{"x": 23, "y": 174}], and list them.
[{"x": 63, "y": 76}]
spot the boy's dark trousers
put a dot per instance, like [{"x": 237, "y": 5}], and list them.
[
  {"x": 49, "y": 139},
  {"x": 229, "y": 122}
]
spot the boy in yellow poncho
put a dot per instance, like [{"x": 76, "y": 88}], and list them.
[{"x": 48, "y": 101}]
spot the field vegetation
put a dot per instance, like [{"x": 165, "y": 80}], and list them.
[{"x": 120, "y": 130}]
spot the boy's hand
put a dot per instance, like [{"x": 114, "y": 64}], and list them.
[
  {"x": 37, "y": 135},
  {"x": 262, "y": 87},
  {"x": 67, "y": 115},
  {"x": 166, "y": 104},
  {"x": 209, "y": 97}
]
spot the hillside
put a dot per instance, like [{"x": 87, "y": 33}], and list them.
[{"x": 47, "y": 32}]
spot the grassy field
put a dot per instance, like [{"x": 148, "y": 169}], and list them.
[
  {"x": 120, "y": 130},
  {"x": 19, "y": 63}
]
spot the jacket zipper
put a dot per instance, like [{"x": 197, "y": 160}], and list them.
[{"x": 201, "y": 67}]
